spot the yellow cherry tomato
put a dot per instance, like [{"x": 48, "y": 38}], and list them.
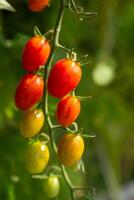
[
  {"x": 70, "y": 149},
  {"x": 52, "y": 186},
  {"x": 32, "y": 122},
  {"x": 37, "y": 157}
]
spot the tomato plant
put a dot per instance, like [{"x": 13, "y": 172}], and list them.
[
  {"x": 37, "y": 156},
  {"x": 32, "y": 122},
  {"x": 37, "y": 5},
  {"x": 35, "y": 53},
  {"x": 64, "y": 77},
  {"x": 68, "y": 110},
  {"x": 51, "y": 186},
  {"x": 60, "y": 82},
  {"x": 29, "y": 91},
  {"x": 70, "y": 149}
]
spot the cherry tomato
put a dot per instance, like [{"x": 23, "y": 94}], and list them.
[
  {"x": 32, "y": 122},
  {"x": 52, "y": 186},
  {"x": 64, "y": 77},
  {"x": 35, "y": 53},
  {"x": 37, "y": 156},
  {"x": 29, "y": 91},
  {"x": 68, "y": 109},
  {"x": 37, "y": 5},
  {"x": 70, "y": 149}
]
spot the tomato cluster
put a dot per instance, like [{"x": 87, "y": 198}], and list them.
[
  {"x": 28, "y": 94},
  {"x": 63, "y": 79}
]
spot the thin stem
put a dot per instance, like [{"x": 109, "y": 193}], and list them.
[
  {"x": 64, "y": 48},
  {"x": 55, "y": 43}
]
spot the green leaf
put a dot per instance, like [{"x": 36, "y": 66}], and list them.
[{"x": 6, "y": 6}]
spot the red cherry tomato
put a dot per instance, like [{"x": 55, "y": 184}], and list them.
[
  {"x": 70, "y": 149},
  {"x": 68, "y": 109},
  {"x": 64, "y": 77},
  {"x": 37, "y": 5},
  {"x": 35, "y": 53},
  {"x": 29, "y": 91}
]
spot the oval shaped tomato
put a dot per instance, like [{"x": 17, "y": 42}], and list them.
[
  {"x": 70, "y": 149},
  {"x": 52, "y": 186},
  {"x": 37, "y": 5},
  {"x": 64, "y": 77},
  {"x": 68, "y": 109},
  {"x": 35, "y": 53},
  {"x": 37, "y": 156},
  {"x": 32, "y": 122},
  {"x": 29, "y": 91}
]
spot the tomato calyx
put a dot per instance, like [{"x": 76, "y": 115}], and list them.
[
  {"x": 83, "y": 98},
  {"x": 46, "y": 35},
  {"x": 37, "y": 32},
  {"x": 49, "y": 33},
  {"x": 44, "y": 138},
  {"x": 40, "y": 71},
  {"x": 80, "y": 133},
  {"x": 71, "y": 55},
  {"x": 53, "y": 170}
]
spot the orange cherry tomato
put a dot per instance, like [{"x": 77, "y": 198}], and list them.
[
  {"x": 37, "y": 156},
  {"x": 32, "y": 122},
  {"x": 64, "y": 77},
  {"x": 68, "y": 109},
  {"x": 35, "y": 53},
  {"x": 70, "y": 149},
  {"x": 37, "y": 5},
  {"x": 29, "y": 91}
]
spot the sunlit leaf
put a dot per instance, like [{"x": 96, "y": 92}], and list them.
[{"x": 6, "y": 6}]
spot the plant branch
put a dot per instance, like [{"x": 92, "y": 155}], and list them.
[
  {"x": 55, "y": 44},
  {"x": 51, "y": 127}
]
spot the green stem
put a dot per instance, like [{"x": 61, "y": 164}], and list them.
[{"x": 55, "y": 44}]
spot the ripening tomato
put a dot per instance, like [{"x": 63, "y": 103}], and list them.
[
  {"x": 37, "y": 156},
  {"x": 70, "y": 149},
  {"x": 68, "y": 109},
  {"x": 35, "y": 53},
  {"x": 37, "y": 5},
  {"x": 32, "y": 122},
  {"x": 52, "y": 186},
  {"x": 64, "y": 77},
  {"x": 29, "y": 91}
]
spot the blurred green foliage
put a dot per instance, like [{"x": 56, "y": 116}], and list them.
[{"x": 109, "y": 114}]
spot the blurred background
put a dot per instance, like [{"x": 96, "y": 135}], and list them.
[{"x": 109, "y": 79}]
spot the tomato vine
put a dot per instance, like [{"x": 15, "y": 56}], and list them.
[
  {"x": 55, "y": 45},
  {"x": 33, "y": 91}
]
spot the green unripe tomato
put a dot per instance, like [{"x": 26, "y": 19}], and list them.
[
  {"x": 37, "y": 156},
  {"x": 32, "y": 122},
  {"x": 52, "y": 186}
]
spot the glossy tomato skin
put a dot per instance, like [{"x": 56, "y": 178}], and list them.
[
  {"x": 29, "y": 91},
  {"x": 37, "y": 157},
  {"x": 35, "y": 53},
  {"x": 64, "y": 77},
  {"x": 32, "y": 122},
  {"x": 70, "y": 149},
  {"x": 68, "y": 109},
  {"x": 52, "y": 186},
  {"x": 37, "y": 5}
]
